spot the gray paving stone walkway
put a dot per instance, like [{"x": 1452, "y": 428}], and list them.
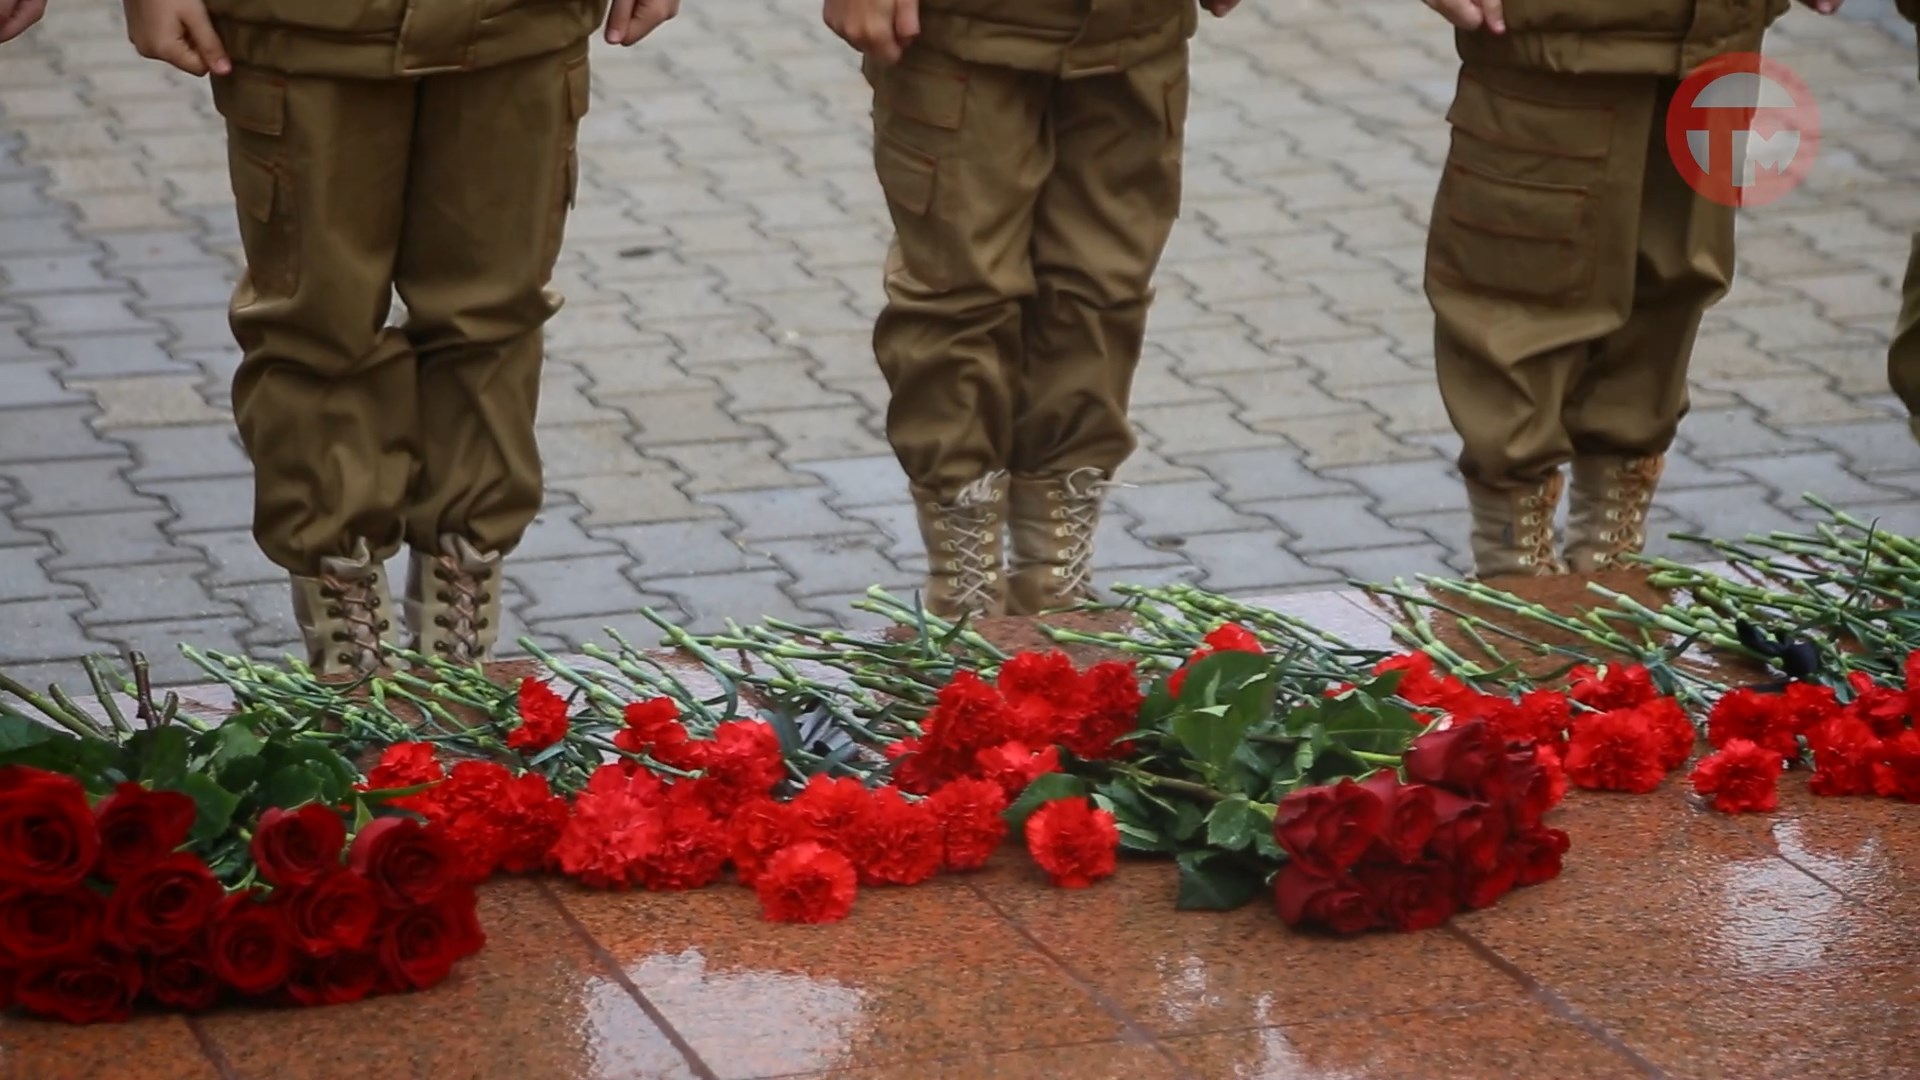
[{"x": 711, "y": 414}]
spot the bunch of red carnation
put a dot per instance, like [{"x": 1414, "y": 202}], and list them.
[
  {"x": 1225, "y": 638},
  {"x": 1011, "y": 730},
  {"x": 1864, "y": 746},
  {"x": 1461, "y": 830},
  {"x": 101, "y": 906}
]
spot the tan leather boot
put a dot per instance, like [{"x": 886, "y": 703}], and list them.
[
  {"x": 1513, "y": 530},
  {"x": 1607, "y": 516},
  {"x": 344, "y": 614},
  {"x": 965, "y": 550},
  {"x": 1051, "y": 524},
  {"x": 453, "y": 602}
]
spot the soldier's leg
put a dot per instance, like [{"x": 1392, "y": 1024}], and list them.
[
  {"x": 324, "y": 393},
  {"x": 492, "y": 178},
  {"x": 960, "y": 150},
  {"x": 1628, "y": 402},
  {"x": 1100, "y": 227},
  {"x": 1903, "y": 356},
  {"x": 1530, "y": 261}
]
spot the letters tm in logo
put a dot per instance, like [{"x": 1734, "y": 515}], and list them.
[{"x": 1743, "y": 130}]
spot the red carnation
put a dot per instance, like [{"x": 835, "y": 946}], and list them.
[
  {"x": 830, "y": 805},
  {"x": 970, "y": 814},
  {"x": 745, "y": 760},
  {"x": 654, "y": 729},
  {"x": 614, "y": 828},
  {"x": 1615, "y": 751},
  {"x": 94, "y": 989},
  {"x": 692, "y": 847},
  {"x": 299, "y": 847},
  {"x": 408, "y": 864},
  {"x": 139, "y": 827},
  {"x": 164, "y": 905},
  {"x": 1422, "y": 686},
  {"x": 1911, "y": 671},
  {"x": 543, "y": 718},
  {"x": 1327, "y": 829},
  {"x": 43, "y": 928},
  {"x": 335, "y": 914},
  {"x": 1013, "y": 766},
  {"x": 1741, "y": 776},
  {"x": 806, "y": 883},
  {"x": 1110, "y": 710},
  {"x": 1845, "y": 749},
  {"x": 1807, "y": 706},
  {"x": 1410, "y": 898},
  {"x": 1075, "y": 843},
  {"x": 48, "y": 838},
  {"x": 334, "y": 980},
  {"x": 1672, "y": 730},
  {"x": 1044, "y": 691},
  {"x": 182, "y": 980},
  {"x": 531, "y": 818},
  {"x": 759, "y": 828},
  {"x": 1456, "y": 758},
  {"x": 1228, "y": 638},
  {"x": 1754, "y": 716},
  {"x": 247, "y": 945},
  {"x": 895, "y": 842},
  {"x": 1610, "y": 687},
  {"x": 1536, "y": 854},
  {"x": 1335, "y": 904},
  {"x": 1410, "y": 816},
  {"x": 913, "y": 772},
  {"x": 1897, "y": 774},
  {"x": 968, "y": 716},
  {"x": 1881, "y": 708},
  {"x": 405, "y": 765}
]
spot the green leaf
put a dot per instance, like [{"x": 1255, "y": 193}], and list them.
[
  {"x": 295, "y": 785},
  {"x": 160, "y": 756},
  {"x": 215, "y": 807},
  {"x": 1135, "y": 838},
  {"x": 1188, "y": 821},
  {"x": 1043, "y": 790},
  {"x": 18, "y": 733},
  {"x": 1233, "y": 823},
  {"x": 242, "y": 774},
  {"x": 234, "y": 743},
  {"x": 1220, "y": 675},
  {"x": 1210, "y": 881}
]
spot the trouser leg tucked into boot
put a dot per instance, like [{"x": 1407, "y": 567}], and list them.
[
  {"x": 1513, "y": 529},
  {"x": 966, "y": 573},
  {"x": 1051, "y": 526},
  {"x": 453, "y": 602},
  {"x": 1607, "y": 518},
  {"x": 344, "y": 614}
]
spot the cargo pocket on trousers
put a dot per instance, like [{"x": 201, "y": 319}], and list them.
[
  {"x": 268, "y": 228},
  {"x": 578, "y": 100},
  {"x": 906, "y": 176},
  {"x": 1511, "y": 238}
]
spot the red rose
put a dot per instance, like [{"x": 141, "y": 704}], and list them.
[
  {"x": 1844, "y": 751},
  {"x": 760, "y": 828},
  {"x": 1327, "y": 829},
  {"x": 1484, "y": 888},
  {"x": 1410, "y": 816},
  {"x": 1467, "y": 834},
  {"x": 543, "y": 718},
  {"x": 419, "y": 947},
  {"x": 140, "y": 827},
  {"x": 1615, "y": 751},
  {"x": 806, "y": 883},
  {"x": 1334, "y": 904},
  {"x": 971, "y": 821},
  {"x": 163, "y": 906},
  {"x": 1897, "y": 774},
  {"x": 408, "y": 865},
  {"x": 300, "y": 847},
  {"x": 1536, "y": 854},
  {"x": 1410, "y": 898},
  {"x": 96, "y": 989},
  {"x": 44, "y": 928},
  {"x": 1531, "y": 790},
  {"x": 1741, "y": 776},
  {"x": 895, "y": 842},
  {"x": 1075, "y": 843},
  {"x": 1457, "y": 758},
  {"x": 247, "y": 945},
  {"x": 183, "y": 980},
  {"x": 335, "y": 914},
  {"x": 48, "y": 839},
  {"x": 334, "y": 980}
]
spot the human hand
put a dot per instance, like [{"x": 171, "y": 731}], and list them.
[
  {"x": 1472, "y": 14},
  {"x": 17, "y": 15},
  {"x": 1824, "y": 7},
  {"x": 630, "y": 20},
  {"x": 881, "y": 29},
  {"x": 1219, "y": 8},
  {"x": 177, "y": 32}
]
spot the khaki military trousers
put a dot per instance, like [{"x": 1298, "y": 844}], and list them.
[
  {"x": 452, "y": 189},
  {"x": 1568, "y": 265},
  {"x": 1029, "y": 212},
  {"x": 1903, "y": 356}
]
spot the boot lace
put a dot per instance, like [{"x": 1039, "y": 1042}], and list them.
[
  {"x": 1629, "y": 497},
  {"x": 354, "y": 603},
  {"x": 973, "y": 529},
  {"x": 1076, "y": 515},
  {"x": 1533, "y": 527},
  {"x": 463, "y": 596}
]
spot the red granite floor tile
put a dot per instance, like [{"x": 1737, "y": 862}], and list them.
[
  {"x": 1193, "y": 971},
  {"x": 534, "y": 1003},
  {"x": 145, "y": 1048},
  {"x": 929, "y": 972},
  {"x": 1840, "y": 1023},
  {"x": 1501, "y": 1042},
  {"x": 1868, "y": 849},
  {"x": 1657, "y": 889},
  {"x": 1096, "y": 1061}
]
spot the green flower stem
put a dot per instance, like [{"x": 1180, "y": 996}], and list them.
[
  {"x": 1176, "y": 786},
  {"x": 1377, "y": 759},
  {"x": 79, "y": 724},
  {"x": 104, "y": 695}
]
